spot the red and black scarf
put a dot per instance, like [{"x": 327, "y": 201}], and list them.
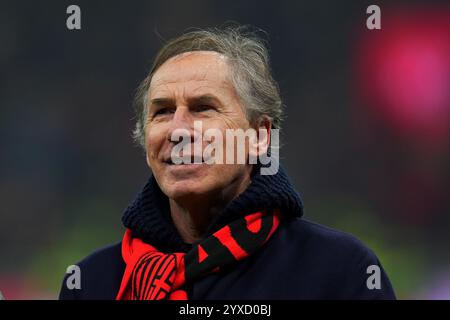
[{"x": 154, "y": 275}]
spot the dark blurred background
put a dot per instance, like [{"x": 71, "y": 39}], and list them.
[{"x": 366, "y": 138}]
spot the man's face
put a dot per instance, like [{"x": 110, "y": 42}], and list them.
[{"x": 193, "y": 86}]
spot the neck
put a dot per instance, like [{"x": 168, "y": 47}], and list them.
[{"x": 194, "y": 215}]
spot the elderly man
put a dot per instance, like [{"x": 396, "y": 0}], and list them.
[{"x": 204, "y": 228}]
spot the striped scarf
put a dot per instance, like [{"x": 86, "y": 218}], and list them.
[{"x": 154, "y": 275}]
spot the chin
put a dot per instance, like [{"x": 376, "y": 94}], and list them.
[{"x": 183, "y": 189}]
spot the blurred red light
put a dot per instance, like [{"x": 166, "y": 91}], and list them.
[{"x": 403, "y": 73}]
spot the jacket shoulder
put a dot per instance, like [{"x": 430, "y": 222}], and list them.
[
  {"x": 327, "y": 237},
  {"x": 339, "y": 258},
  {"x": 100, "y": 275}
]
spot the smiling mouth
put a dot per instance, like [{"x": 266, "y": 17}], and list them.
[{"x": 191, "y": 161}]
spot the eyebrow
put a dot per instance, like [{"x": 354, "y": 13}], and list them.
[
  {"x": 205, "y": 99},
  {"x": 162, "y": 101},
  {"x": 201, "y": 99}
]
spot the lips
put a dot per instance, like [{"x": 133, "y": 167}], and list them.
[{"x": 186, "y": 160}]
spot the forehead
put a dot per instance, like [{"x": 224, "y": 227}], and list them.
[{"x": 192, "y": 71}]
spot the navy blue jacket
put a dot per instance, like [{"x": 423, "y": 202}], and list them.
[{"x": 302, "y": 260}]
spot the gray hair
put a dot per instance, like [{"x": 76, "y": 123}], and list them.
[{"x": 251, "y": 75}]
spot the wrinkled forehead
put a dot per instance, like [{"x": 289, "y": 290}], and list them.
[{"x": 196, "y": 68}]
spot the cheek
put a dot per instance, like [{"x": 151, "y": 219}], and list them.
[
  {"x": 235, "y": 123},
  {"x": 155, "y": 138},
  {"x": 223, "y": 122}
]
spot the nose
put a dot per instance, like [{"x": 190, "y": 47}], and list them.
[{"x": 181, "y": 126}]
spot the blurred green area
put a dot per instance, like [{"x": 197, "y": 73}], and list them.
[
  {"x": 404, "y": 257},
  {"x": 406, "y": 260},
  {"x": 95, "y": 225}
]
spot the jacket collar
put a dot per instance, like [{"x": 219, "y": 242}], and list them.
[{"x": 148, "y": 216}]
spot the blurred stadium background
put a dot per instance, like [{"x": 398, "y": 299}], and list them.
[{"x": 366, "y": 136}]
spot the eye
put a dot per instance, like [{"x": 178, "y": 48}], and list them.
[
  {"x": 163, "y": 111},
  {"x": 203, "y": 107}
]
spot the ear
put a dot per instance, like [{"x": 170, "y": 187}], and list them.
[{"x": 260, "y": 145}]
